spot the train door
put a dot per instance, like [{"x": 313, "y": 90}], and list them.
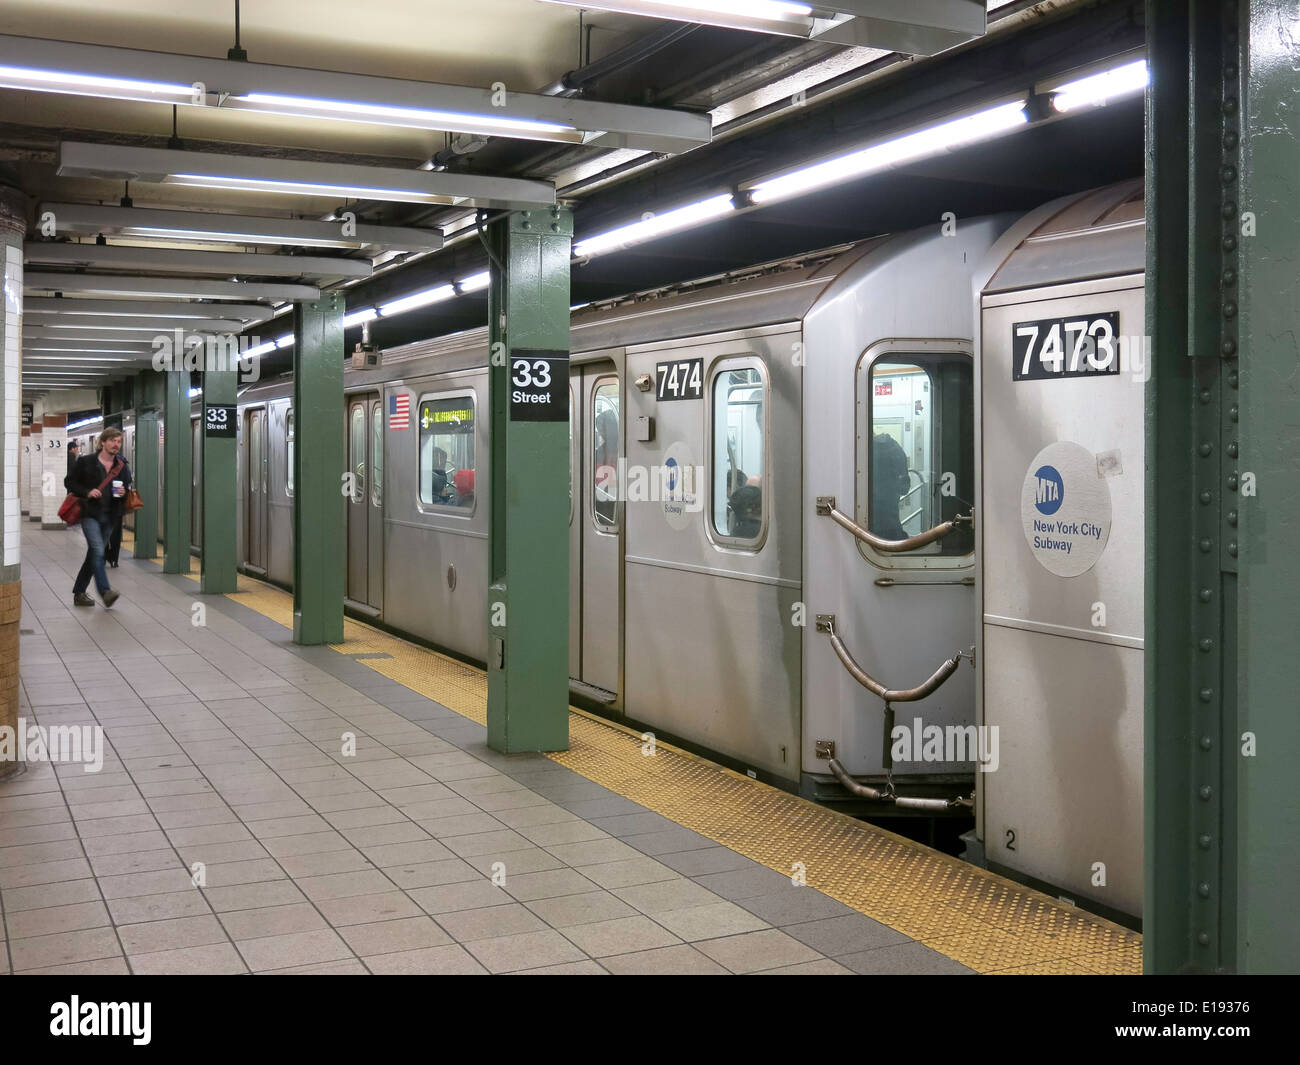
[
  {"x": 576, "y": 526},
  {"x": 162, "y": 476},
  {"x": 602, "y": 526},
  {"x": 128, "y": 450},
  {"x": 196, "y": 486},
  {"x": 365, "y": 436},
  {"x": 255, "y": 489}
]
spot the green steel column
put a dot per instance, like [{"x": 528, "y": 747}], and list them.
[
  {"x": 1222, "y": 439},
  {"x": 528, "y": 596},
  {"x": 319, "y": 462},
  {"x": 1263, "y": 480},
  {"x": 178, "y": 473},
  {"x": 217, "y": 479},
  {"x": 148, "y": 393}
]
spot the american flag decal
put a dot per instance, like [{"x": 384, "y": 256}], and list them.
[{"x": 399, "y": 411}]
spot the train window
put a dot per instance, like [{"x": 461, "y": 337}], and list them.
[
  {"x": 739, "y": 490},
  {"x": 358, "y": 445},
  {"x": 288, "y": 452},
  {"x": 377, "y": 456},
  {"x": 604, "y": 455},
  {"x": 919, "y": 468},
  {"x": 447, "y": 451}
]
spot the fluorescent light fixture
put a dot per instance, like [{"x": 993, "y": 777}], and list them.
[
  {"x": 177, "y": 260},
  {"x": 656, "y": 226},
  {"x": 99, "y": 70},
  {"x": 408, "y": 117},
  {"x": 83, "y": 423},
  {"x": 417, "y": 299},
  {"x": 261, "y": 349},
  {"x": 194, "y": 392},
  {"x": 237, "y": 229},
  {"x": 263, "y": 174},
  {"x": 67, "y": 359},
  {"x": 916, "y": 28},
  {"x": 369, "y": 314},
  {"x": 946, "y": 136},
  {"x": 169, "y": 287},
  {"x": 1096, "y": 89},
  {"x": 73, "y": 84},
  {"x": 91, "y": 308},
  {"x": 73, "y": 347},
  {"x": 135, "y": 325},
  {"x": 475, "y": 282},
  {"x": 285, "y": 341}
]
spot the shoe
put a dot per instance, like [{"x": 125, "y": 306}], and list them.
[
  {"x": 112, "y": 565},
  {"x": 111, "y": 597},
  {"x": 81, "y": 599}
]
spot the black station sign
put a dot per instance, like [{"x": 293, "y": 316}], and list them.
[
  {"x": 683, "y": 379},
  {"x": 1083, "y": 346},
  {"x": 219, "y": 421},
  {"x": 539, "y": 385}
]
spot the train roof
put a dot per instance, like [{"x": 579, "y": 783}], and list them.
[
  {"x": 1101, "y": 233},
  {"x": 780, "y": 291}
]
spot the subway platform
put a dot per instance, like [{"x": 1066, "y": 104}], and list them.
[{"x": 269, "y": 808}]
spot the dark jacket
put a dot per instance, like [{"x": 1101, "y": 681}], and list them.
[{"x": 86, "y": 474}]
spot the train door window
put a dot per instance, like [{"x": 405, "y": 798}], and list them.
[
  {"x": 604, "y": 455},
  {"x": 739, "y": 490},
  {"x": 377, "y": 455},
  {"x": 916, "y": 463},
  {"x": 288, "y": 452},
  {"x": 358, "y": 444},
  {"x": 447, "y": 451}
]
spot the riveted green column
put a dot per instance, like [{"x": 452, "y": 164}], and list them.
[
  {"x": 319, "y": 462},
  {"x": 1262, "y": 430},
  {"x": 148, "y": 391},
  {"x": 1223, "y": 441},
  {"x": 528, "y": 596},
  {"x": 217, "y": 482},
  {"x": 178, "y": 474}
]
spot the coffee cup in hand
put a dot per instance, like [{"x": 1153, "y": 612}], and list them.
[{"x": 118, "y": 488}]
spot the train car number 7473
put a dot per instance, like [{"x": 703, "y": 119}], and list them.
[{"x": 1079, "y": 346}]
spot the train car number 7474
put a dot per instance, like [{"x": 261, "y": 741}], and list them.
[{"x": 679, "y": 380}]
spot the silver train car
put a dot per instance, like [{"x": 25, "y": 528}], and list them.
[
  {"x": 1060, "y": 376},
  {"x": 771, "y": 477}
]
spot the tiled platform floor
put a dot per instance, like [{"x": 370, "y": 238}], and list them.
[{"x": 226, "y": 749}]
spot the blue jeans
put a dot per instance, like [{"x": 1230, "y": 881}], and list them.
[{"x": 98, "y": 532}]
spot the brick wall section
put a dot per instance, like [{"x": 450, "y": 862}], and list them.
[{"x": 11, "y": 606}]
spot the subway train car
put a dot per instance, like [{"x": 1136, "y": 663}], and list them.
[
  {"x": 1060, "y": 377},
  {"x": 770, "y": 487}
]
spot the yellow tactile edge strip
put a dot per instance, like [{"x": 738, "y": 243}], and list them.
[{"x": 984, "y": 921}]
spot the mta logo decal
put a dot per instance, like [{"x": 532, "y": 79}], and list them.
[
  {"x": 671, "y": 465},
  {"x": 1049, "y": 490}
]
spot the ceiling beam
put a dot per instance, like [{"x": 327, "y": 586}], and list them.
[
  {"x": 180, "y": 261},
  {"x": 90, "y": 308},
  {"x": 259, "y": 174},
  {"x": 144, "y": 222},
  {"x": 105, "y": 331},
  {"x": 34, "y": 64},
  {"x": 177, "y": 288}
]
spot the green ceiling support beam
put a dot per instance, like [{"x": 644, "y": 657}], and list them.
[
  {"x": 1221, "y": 731},
  {"x": 217, "y": 481},
  {"x": 319, "y": 462},
  {"x": 148, "y": 401},
  {"x": 1263, "y": 455},
  {"x": 528, "y": 594},
  {"x": 178, "y": 473}
]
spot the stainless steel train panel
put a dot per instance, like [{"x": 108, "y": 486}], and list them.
[
  {"x": 601, "y": 522},
  {"x": 435, "y": 560},
  {"x": 279, "y": 498},
  {"x": 899, "y": 616},
  {"x": 711, "y": 651},
  {"x": 357, "y": 437},
  {"x": 196, "y": 485},
  {"x": 1061, "y": 649},
  {"x": 577, "y": 522},
  {"x": 255, "y": 503}
]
